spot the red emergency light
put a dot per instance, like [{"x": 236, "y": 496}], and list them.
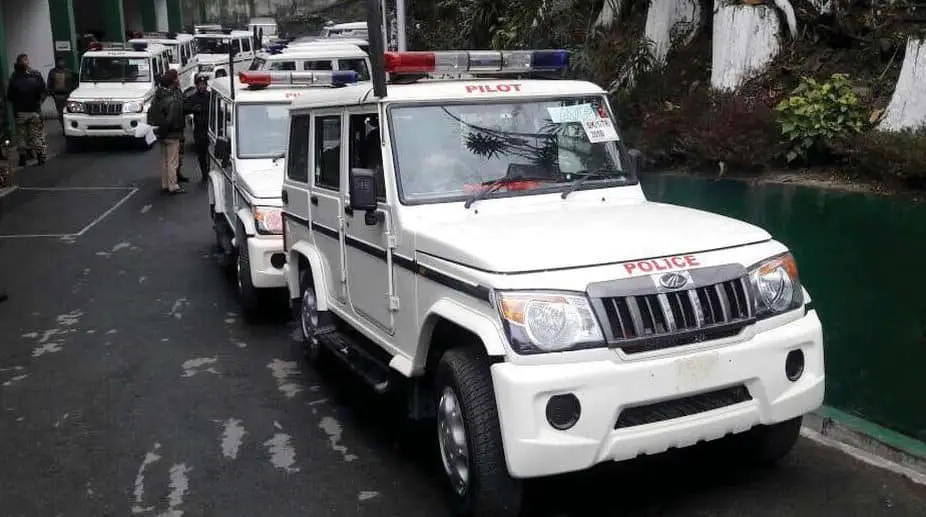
[{"x": 476, "y": 61}]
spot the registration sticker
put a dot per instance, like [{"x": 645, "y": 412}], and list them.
[
  {"x": 599, "y": 129},
  {"x": 576, "y": 113}
]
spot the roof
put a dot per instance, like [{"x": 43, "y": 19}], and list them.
[
  {"x": 321, "y": 52},
  {"x": 233, "y": 34},
  {"x": 153, "y": 49},
  {"x": 349, "y": 25},
  {"x": 163, "y": 39},
  {"x": 452, "y": 90},
  {"x": 273, "y": 93}
]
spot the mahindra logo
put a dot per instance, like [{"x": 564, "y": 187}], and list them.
[{"x": 673, "y": 280}]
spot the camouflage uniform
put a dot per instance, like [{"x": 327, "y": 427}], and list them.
[{"x": 30, "y": 134}]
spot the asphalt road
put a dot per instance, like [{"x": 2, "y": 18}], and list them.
[{"x": 130, "y": 386}]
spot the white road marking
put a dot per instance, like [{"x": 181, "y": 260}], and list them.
[
  {"x": 176, "y": 310},
  {"x": 282, "y": 372},
  {"x": 150, "y": 457},
  {"x": 179, "y": 484},
  {"x": 18, "y": 368},
  {"x": 317, "y": 402},
  {"x": 192, "y": 366},
  {"x": 333, "y": 429},
  {"x": 282, "y": 454},
  {"x": 106, "y": 214},
  {"x": 45, "y": 344},
  {"x": 241, "y": 344},
  {"x": 62, "y": 419},
  {"x": 145, "y": 209},
  {"x": 367, "y": 495},
  {"x": 232, "y": 437},
  {"x": 14, "y": 380}
]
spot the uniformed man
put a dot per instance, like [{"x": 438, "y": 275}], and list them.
[
  {"x": 197, "y": 103},
  {"x": 60, "y": 84},
  {"x": 25, "y": 93}
]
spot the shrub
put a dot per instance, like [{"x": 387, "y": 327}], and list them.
[
  {"x": 895, "y": 158},
  {"x": 709, "y": 128},
  {"x": 816, "y": 113}
]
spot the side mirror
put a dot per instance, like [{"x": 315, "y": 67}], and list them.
[
  {"x": 223, "y": 150},
  {"x": 363, "y": 192},
  {"x": 635, "y": 161}
]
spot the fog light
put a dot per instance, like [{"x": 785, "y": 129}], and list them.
[
  {"x": 277, "y": 260},
  {"x": 74, "y": 124},
  {"x": 794, "y": 365},
  {"x": 563, "y": 411},
  {"x": 134, "y": 123}
]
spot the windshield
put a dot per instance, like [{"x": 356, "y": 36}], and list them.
[
  {"x": 262, "y": 130},
  {"x": 115, "y": 69},
  {"x": 450, "y": 152},
  {"x": 357, "y": 65},
  {"x": 213, "y": 45}
]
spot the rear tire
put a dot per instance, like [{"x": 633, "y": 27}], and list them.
[{"x": 467, "y": 424}]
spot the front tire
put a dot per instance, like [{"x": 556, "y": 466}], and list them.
[
  {"x": 309, "y": 320},
  {"x": 73, "y": 144},
  {"x": 470, "y": 440},
  {"x": 248, "y": 295},
  {"x": 767, "y": 445}
]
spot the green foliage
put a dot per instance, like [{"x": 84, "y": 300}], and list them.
[{"x": 816, "y": 113}]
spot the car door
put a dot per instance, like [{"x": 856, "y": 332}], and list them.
[
  {"x": 328, "y": 158},
  {"x": 297, "y": 211},
  {"x": 369, "y": 246}
]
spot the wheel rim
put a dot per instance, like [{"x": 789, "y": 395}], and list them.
[
  {"x": 451, "y": 434},
  {"x": 238, "y": 273},
  {"x": 309, "y": 314}
]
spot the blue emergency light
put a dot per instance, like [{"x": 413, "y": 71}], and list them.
[{"x": 140, "y": 46}]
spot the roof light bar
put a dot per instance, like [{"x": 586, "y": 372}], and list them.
[
  {"x": 477, "y": 61},
  {"x": 117, "y": 45},
  {"x": 262, "y": 79}
]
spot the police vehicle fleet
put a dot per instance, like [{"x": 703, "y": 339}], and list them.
[
  {"x": 483, "y": 242},
  {"x": 117, "y": 84},
  {"x": 181, "y": 52},
  {"x": 213, "y": 52},
  {"x": 247, "y": 132}
]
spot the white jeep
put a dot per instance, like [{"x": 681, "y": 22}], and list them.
[{"x": 485, "y": 245}]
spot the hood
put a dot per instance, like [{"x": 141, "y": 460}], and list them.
[
  {"x": 262, "y": 178},
  {"x": 580, "y": 235},
  {"x": 114, "y": 91}
]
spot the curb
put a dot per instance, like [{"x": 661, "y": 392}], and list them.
[{"x": 868, "y": 442}]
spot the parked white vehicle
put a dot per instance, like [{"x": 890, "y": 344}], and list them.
[
  {"x": 484, "y": 243},
  {"x": 181, "y": 52},
  {"x": 309, "y": 59},
  {"x": 363, "y": 44},
  {"x": 247, "y": 138},
  {"x": 117, "y": 85},
  {"x": 213, "y": 50},
  {"x": 349, "y": 29}
]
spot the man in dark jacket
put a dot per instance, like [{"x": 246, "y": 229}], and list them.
[
  {"x": 25, "y": 93},
  {"x": 197, "y": 103},
  {"x": 166, "y": 115},
  {"x": 61, "y": 82}
]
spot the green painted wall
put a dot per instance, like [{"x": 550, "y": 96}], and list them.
[
  {"x": 149, "y": 18},
  {"x": 861, "y": 257},
  {"x": 113, "y": 22},
  {"x": 175, "y": 15},
  {"x": 62, "y": 28}
]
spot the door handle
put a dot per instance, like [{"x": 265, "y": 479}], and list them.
[
  {"x": 349, "y": 211},
  {"x": 284, "y": 196},
  {"x": 314, "y": 200}
]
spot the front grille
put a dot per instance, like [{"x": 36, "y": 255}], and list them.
[
  {"x": 103, "y": 108},
  {"x": 677, "y": 408}
]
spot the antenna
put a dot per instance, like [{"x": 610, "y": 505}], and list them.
[{"x": 377, "y": 46}]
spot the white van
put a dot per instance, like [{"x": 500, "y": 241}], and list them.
[
  {"x": 317, "y": 59},
  {"x": 212, "y": 52},
  {"x": 350, "y": 29},
  {"x": 181, "y": 51}
]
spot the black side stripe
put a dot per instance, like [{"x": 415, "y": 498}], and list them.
[{"x": 476, "y": 291}]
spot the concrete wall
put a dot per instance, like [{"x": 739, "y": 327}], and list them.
[
  {"x": 160, "y": 12},
  {"x": 27, "y": 27},
  {"x": 88, "y": 15},
  {"x": 132, "y": 13}
]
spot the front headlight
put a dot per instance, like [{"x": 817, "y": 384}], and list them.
[
  {"x": 133, "y": 107},
  {"x": 776, "y": 286},
  {"x": 539, "y": 322},
  {"x": 75, "y": 107},
  {"x": 269, "y": 220}
]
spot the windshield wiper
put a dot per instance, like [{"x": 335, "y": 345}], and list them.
[
  {"x": 586, "y": 175},
  {"x": 493, "y": 185}
]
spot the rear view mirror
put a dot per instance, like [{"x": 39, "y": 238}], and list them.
[
  {"x": 223, "y": 151},
  {"x": 363, "y": 192}
]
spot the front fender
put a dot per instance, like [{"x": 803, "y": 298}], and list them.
[
  {"x": 216, "y": 192},
  {"x": 486, "y": 327},
  {"x": 319, "y": 272},
  {"x": 246, "y": 219}
]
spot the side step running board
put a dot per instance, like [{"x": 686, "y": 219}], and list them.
[{"x": 370, "y": 369}]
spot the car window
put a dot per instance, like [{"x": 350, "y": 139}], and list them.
[{"x": 328, "y": 152}]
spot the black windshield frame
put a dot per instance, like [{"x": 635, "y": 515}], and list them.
[{"x": 550, "y": 189}]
